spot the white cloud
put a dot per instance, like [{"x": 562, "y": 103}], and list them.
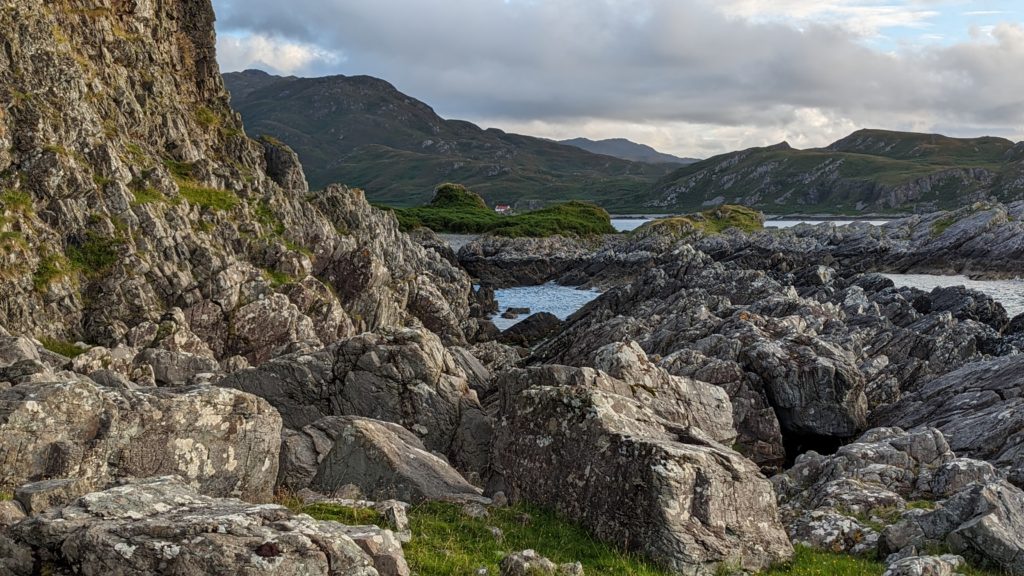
[
  {"x": 273, "y": 55},
  {"x": 694, "y": 77}
]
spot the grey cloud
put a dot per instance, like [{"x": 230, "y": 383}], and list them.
[{"x": 643, "y": 61}]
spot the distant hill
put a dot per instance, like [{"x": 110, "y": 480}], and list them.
[
  {"x": 868, "y": 171},
  {"x": 627, "y": 150},
  {"x": 363, "y": 132}
]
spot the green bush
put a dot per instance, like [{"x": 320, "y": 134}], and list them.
[
  {"x": 51, "y": 268},
  {"x": 458, "y": 211},
  {"x": 713, "y": 221}
]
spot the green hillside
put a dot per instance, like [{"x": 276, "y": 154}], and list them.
[
  {"x": 868, "y": 171},
  {"x": 363, "y": 132}
]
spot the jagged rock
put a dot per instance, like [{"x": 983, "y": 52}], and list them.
[
  {"x": 401, "y": 376},
  {"x": 382, "y": 546},
  {"x": 945, "y": 565},
  {"x": 605, "y": 461},
  {"x": 394, "y": 514},
  {"x": 11, "y": 512},
  {"x": 38, "y": 497},
  {"x": 532, "y": 330},
  {"x": 223, "y": 441},
  {"x": 979, "y": 408},
  {"x": 530, "y": 563},
  {"x": 162, "y": 525},
  {"x": 984, "y": 523},
  {"x": 834, "y": 532},
  {"x": 14, "y": 350},
  {"x": 383, "y": 460},
  {"x": 175, "y": 368}
]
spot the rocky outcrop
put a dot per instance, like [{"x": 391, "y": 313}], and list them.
[
  {"x": 979, "y": 408},
  {"x": 154, "y": 199},
  {"x": 383, "y": 460},
  {"x": 532, "y": 330},
  {"x": 691, "y": 503},
  {"x": 900, "y": 494},
  {"x": 402, "y": 376},
  {"x": 163, "y": 526},
  {"x": 224, "y": 442}
]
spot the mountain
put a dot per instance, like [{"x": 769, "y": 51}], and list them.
[
  {"x": 361, "y": 131},
  {"x": 627, "y": 150},
  {"x": 869, "y": 171}
]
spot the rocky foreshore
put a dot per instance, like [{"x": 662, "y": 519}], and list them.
[{"x": 192, "y": 340}]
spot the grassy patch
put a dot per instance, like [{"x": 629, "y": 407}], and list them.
[
  {"x": 62, "y": 347},
  {"x": 713, "y": 221},
  {"x": 207, "y": 118},
  {"x": 459, "y": 211},
  {"x": 445, "y": 541},
  {"x": 810, "y": 562},
  {"x": 95, "y": 255},
  {"x": 179, "y": 170},
  {"x": 210, "y": 198},
  {"x": 941, "y": 225},
  {"x": 52, "y": 267},
  {"x": 276, "y": 278},
  {"x": 344, "y": 514},
  {"x": 148, "y": 196},
  {"x": 16, "y": 201},
  {"x": 4, "y": 496}
]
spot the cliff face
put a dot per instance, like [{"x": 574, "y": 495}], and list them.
[{"x": 128, "y": 187}]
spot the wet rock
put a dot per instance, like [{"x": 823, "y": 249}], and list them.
[
  {"x": 163, "y": 526},
  {"x": 575, "y": 448},
  {"x": 382, "y": 459},
  {"x": 532, "y": 330},
  {"x": 223, "y": 441}
]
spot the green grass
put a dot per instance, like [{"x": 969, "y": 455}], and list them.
[
  {"x": 4, "y": 496},
  {"x": 276, "y": 278},
  {"x": 459, "y": 211},
  {"x": 810, "y": 562},
  {"x": 62, "y": 347},
  {"x": 210, "y": 198},
  {"x": 941, "y": 225},
  {"x": 95, "y": 255},
  {"x": 713, "y": 221},
  {"x": 179, "y": 170},
  {"x": 447, "y": 542},
  {"x": 51, "y": 267},
  {"x": 207, "y": 118},
  {"x": 16, "y": 201},
  {"x": 148, "y": 196}
]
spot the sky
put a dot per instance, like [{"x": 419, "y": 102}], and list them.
[{"x": 689, "y": 77}]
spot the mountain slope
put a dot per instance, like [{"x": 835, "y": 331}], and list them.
[
  {"x": 363, "y": 132},
  {"x": 627, "y": 150},
  {"x": 868, "y": 171}
]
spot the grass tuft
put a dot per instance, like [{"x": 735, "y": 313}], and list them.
[
  {"x": 62, "y": 347},
  {"x": 210, "y": 198}
]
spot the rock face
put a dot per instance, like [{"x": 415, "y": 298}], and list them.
[
  {"x": 979, "y": 408},
  {"x": 162, "y": 526},
  {"x": 154, "y": 198},
  {"x": 667, "y": 491},
  {"x": 383, "y": 460},
  {"x": 402, "y": 376},
  {"x": 224, "y": 442}
]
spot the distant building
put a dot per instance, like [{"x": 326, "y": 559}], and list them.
[{"x": 503, "y": 209}]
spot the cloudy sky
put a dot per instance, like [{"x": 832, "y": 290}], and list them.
[{"x": 691, "y": 77}]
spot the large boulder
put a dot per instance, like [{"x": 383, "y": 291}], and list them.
[
  {"x": 532, "y": 330},
  {"x": 666, "y": 491},
  {"x": 383, "y": 460},
  {"x": 402, "y": 376},
  {"x": 163, "y": 526},
  {"x": 224, "y": 442}
]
